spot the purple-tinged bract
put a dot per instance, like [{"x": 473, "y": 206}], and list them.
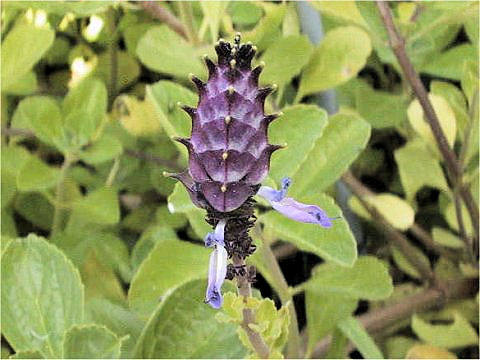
[{"x": 229, "y": 154}]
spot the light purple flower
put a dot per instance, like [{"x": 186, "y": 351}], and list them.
[
  {"x": 218, "y": 265},
  {"x": 293, "y": 209}
]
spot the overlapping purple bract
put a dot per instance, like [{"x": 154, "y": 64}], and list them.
[{"x": 229, "y": 154}]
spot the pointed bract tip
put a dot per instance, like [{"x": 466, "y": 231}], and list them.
[
  {"x": 225, "y": 155},
  {"x": 274, "y": 87},
  {"x": 228, "y": 118},
  {"x": 231, "y": 90},
  {"x": 233, "y": 62},
  {"x": 179, "y": 104},
  {"x": 254, "y": 48},
  {"x": 223, "y": 188},
  {"x": 167, "y": 174},
  {"x": 262, "y": 64},
  {"x": 281, "y": 113},
  {"x": 191, "y": 76}
]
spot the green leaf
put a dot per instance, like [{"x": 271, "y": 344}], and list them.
[
  {"x": 446, "y": 238},
  {"x": 163, "y": 50},
  {"x": 343, "y": 139},
  {"x": 345, "y": 10},
  {"x": 165, "y": 95},
  {"x": 456, "y": 335},
  {"x": 138, "y": 117},
  {"x": 405, "y": 265},
  {"x": 446, "y": 118},
  {"x": 104, "y": 149},
  {"x": 394, "y": 209},
  {"x": 367, "y": 279},
  {"x": 91, "y": 341},
  {"x": 172, "y": 262},
  {"x": 99, "y": 207},
  {"x": 25, "y": 85},
  {"x": 469, "y": 80},
  {"x": 8, "y": 227},
  {"x": 35, "y": 208},
  {"x": 79, "y": 8},
  {"x": 117, "y": 318},
  {"x": 264, "y": 34},
  {"x": 300, "y": 127},
  {"x": 340, "y": 56},
  {"x": 338, "y": 346},
  {"x": 179, "y": 202},
  {"x": 128, "y": 69},
  {"x": 244, "y": 12},
  {"x": 420, "y": 351},
  {"x": 43, "y": 116},
  {"x": 418, "y": 168},
  {"x": 183, "y": 326},
  {"x": 449, "y": 64},
  {"x": 213, "y": 13},
  {"x": 27, "y": 354},
  {"x": 456, "y": 100},
  {"x": 396, "y": 347},
  {"x": 373, "y": 106},
  {"x": 42, "y": 296},
  {"x": 323, "y": 314},
  {"x": 285, "y": 59},
  {"x": 85, "y": 107},
  {"x": 336, "y": 244},
  {"x": 35, "y": 175},
  {"x": 12, "y": 160},
  {"x": 357, "y": 334},
  {"x": 21, "y": 40}
]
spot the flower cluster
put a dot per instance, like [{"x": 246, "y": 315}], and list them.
[{"x": 229, "y": 156}]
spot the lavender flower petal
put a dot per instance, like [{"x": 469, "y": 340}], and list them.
[
  {"x": 217, "y": 237},
  {"x": 292, "y": 208},
  {"x": 216, "y": 276}
]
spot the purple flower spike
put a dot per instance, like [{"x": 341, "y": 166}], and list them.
[
  {"x": 218, "y": 266},
  {"x": 293, "y": 209},
  {"x": 229, "y": 153}
]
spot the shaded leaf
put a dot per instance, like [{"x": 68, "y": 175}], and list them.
[
  {"x": 357, "y": 334},
  {"x": 91, "y": 341}
]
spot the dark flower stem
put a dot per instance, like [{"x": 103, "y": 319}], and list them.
[
  {"x": 397, "y": 43},
  {"x": 159, "y": 12}
]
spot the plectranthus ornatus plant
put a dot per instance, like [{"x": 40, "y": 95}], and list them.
[{"x": 229, "y": 156}]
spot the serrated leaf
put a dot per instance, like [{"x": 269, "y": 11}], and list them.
[
  {"x": 342, "y": 140},
  {"x": 23, "y": 39},
  {"x": 354, "y": 330},
  {"x": 367, "y": 279},
  {"x": 91, "y": 341},
  {"x": 456, "y": 335},
  {"x": 323, "y": 314},
  {"x": 35, "y": 175},
  {"x": 161, "y": 49},
  {"x": 342, "y": 53},
  {"x": 285, "y": 59},
  {"x": 405, "y": 265},
  {"x": 300, "y": 127},
  {"x": 446, "y": 238},
  {"x": 394, "y": 209},
  {"x": 446, "y": 118},
  {"x": 175, "y": 122},
  {"x": 42, "y": 296},
  {"x": 42, "y": 115},
  {"x": 336, "y": 244},
  {"x": 99, "y": 206},
  {"x": 104, "y": 149},
  {"x": 183, "y": 326},
  {"x": 84, "y": 108},
  {"x": 170, "y": 263},
  {"x": 418, "y": 168},
  {"x": 449, "y": 64}
]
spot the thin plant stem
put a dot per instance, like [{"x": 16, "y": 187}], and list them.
[
  {"x": 186, "y": 15},
  {"x": 454, "y": 173},
  {"x": 245, "y": 290},
  {"x": 283, "y": 290},
  {"x": 59, "y": 211},
  {"x": 113, "y": 55},
  {"x": 113, "y": 172},
  {"x": 161, "y": 13}
]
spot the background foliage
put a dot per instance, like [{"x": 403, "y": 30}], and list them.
[{"x": 102, "y": 256}]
